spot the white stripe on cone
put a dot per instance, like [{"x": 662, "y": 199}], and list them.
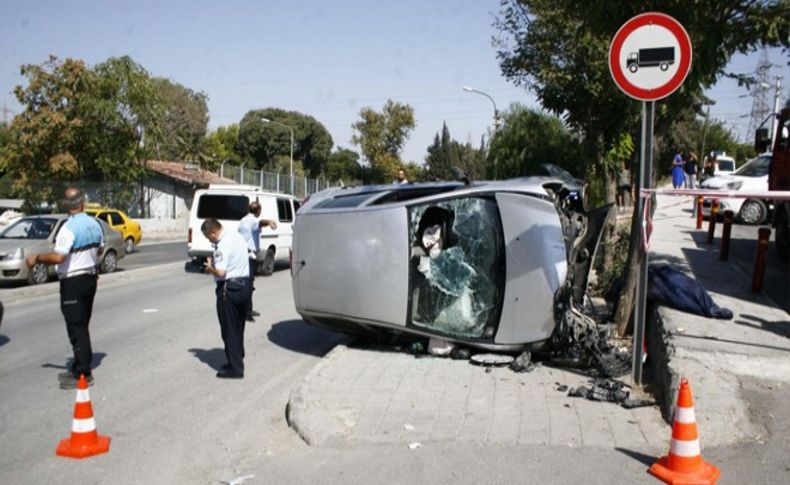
[
  {"x": 688, "y": 449},
  {"x": 83, "y": 425},
  {"x": 83, "y": 395},
  {"x": 685, "y": 415}
]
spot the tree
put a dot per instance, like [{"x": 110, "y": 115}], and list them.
[
  {"x": 180, "y": 131},
  {"x": 381, "y": 136},
  {"x": 445, "y": 153},
  {"x": 220, "y": 146},
  {"x": 343, "y": 165},
  {"x": 261, "y": 142},
  {"x": 560, "y": 50},
  {"x": 529, "y": 139}
]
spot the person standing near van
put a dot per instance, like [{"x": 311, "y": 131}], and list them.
[
  {"x": 78, "y": 246},
  {"x": 231, "y": 270},
  {"x": 250, "y": 228}
]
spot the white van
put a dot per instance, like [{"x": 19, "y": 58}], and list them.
[{"x": 228, "y": 204}]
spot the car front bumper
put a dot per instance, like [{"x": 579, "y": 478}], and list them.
[{"x": 13, "y": 270}]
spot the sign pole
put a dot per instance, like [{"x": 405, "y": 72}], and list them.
[{"x": 645, "y": 182}]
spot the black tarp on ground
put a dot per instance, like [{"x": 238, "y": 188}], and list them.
[{"x": 677, "y": 290}]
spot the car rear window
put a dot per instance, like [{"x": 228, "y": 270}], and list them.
[{"x": 225, "y": 207}]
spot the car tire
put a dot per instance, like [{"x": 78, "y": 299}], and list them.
[
  {"x": 38, "y": 274},
  {"x": 753, "y": 212},
  {"x": 266, "y": 268},
  {"x": 109, "y": 263},
  {"x": 128, "y": 245}
]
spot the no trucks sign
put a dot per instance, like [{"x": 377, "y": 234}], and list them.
[{"x": 650, "y": 56}]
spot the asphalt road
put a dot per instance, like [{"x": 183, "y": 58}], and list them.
[
  {"x": 157, "y": 346},
  {"x": 153, "y": 254}
]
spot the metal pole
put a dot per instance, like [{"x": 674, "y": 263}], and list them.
[
  {"x": 775, "y": 124},
  {"x": 645, "y": 176},
  {"x": 292, "y": 160}
]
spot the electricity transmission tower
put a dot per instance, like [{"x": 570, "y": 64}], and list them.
[{"x": 761, "y": 105}]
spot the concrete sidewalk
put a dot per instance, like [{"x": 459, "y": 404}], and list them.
[{"x": 374, "y": 395}]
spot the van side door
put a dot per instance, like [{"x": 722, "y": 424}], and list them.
[{"x": 285, "y": 220}]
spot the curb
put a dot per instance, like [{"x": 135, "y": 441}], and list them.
[
  {"x": 662, "y": 373},
  {"x": 308, "y": 418}
]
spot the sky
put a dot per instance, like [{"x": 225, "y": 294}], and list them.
[{"x": 325, "y": 59}]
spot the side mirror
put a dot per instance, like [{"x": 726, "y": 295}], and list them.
[{"x": 761, "y": 140}]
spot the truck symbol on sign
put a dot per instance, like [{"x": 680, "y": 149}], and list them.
[{"x": 663, "y": 57}]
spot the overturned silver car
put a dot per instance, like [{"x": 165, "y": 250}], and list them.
[{"x": 494, "y": 265}]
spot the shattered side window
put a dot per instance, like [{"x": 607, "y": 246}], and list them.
[{"x": 456, "y": 266}]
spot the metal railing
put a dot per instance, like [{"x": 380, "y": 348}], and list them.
[{"x": 274, "y": 181}]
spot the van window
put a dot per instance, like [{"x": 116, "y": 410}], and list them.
[
  {"x": 346, "y": 201},
  {"x": 223, "y": 207},
  {"x": 284, "y": 211}
]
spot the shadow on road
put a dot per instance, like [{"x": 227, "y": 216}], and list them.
[
  {"x": 298, "y": 336},
  {"x": 98, "y": 357},
  {"x": 781, "y": 328},
  {"x": 646, "y": 460},
  {"x": 4, "y": 340},
  {"x": 214, "y": 358}
]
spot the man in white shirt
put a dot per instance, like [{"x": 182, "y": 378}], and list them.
[
  {"x": 231, "y": 270},
  {"x": 250, "y": 228},
  {"x": 78, "y": 246}
]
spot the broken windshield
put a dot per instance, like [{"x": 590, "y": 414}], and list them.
[{"x": 456, "y": 266}]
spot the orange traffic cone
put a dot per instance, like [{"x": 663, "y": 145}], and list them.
[
  {"x": 84, "y": 441},
  {"x": 684, "y": 464}
]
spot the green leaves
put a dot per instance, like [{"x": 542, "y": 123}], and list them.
[{"x": 381, "y": 136}]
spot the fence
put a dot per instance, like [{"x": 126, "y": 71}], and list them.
[{"x": 275, "y": 182}]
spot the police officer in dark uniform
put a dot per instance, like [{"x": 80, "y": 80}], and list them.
[
  {"x": 78, "y": 246},
  {"x": 231, "y": 270}
]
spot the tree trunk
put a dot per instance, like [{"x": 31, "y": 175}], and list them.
[
  {"x": 609, "y": 231},
  {"x": 625, "y": 303}
]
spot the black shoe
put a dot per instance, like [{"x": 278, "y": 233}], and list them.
[
  {"x": 229, "y": 374},
  {"x": 256, "y": 313},
  {"x": 65, "y": 376},
  {"x": 72, "y": 382},
  {"x": 250, "y": 319}
]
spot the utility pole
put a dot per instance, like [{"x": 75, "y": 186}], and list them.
[{"x": 704, "y": 133}]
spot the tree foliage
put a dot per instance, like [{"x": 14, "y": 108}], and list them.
[
  {"x": 529, "y": 139},
  {"x": 79, "y": 124},
  {"x": 343, "y": 165},
  {"x": 381, "y": 136},
  {"x": 261, "y": 142},
  {"x": 180, "y": 129},
  {"x": 220, "y": 146},
  {"x": 446, "y": 152}
]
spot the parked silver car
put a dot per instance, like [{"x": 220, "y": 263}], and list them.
[
  {"x": 36, "y": 235},
  {"x": 495, "y": 265}
]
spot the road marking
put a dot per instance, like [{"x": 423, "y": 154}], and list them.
[{"x": 150, "y": 310}]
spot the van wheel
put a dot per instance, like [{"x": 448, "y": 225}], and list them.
[
  {"x": 266, "y": 267},
  {"x": 753, "y": 212}
]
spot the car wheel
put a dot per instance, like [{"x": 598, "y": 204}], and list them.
[
  {"x": 110, "y": 262},
  {"x": 128, "y": 245},
  {"x": 267, "y": 266},
  {"x": 38, "y": 274},
  {"x": 753, "y": 212}
]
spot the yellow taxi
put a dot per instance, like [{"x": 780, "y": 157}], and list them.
[{"x": 119, "y": 221}]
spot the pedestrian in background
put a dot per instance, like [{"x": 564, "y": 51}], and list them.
[
  {"x": 677, "y": 171},
  {"x": 402, "y": 177},
  {"x": 250, "y": 228},
  {"x": 231, "y": 270},
  {"x": 78, "y": 245},
  {"x": 692, "y": 164}
]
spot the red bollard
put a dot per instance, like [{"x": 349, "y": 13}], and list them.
[
  {"x": 700, "y": 201},
  {"x": 724, "y": 250},
  {"x": 759, "y": 264},
  {"x": 714, "y": 213}
]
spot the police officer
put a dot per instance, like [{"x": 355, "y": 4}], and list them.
[
  {"x": 78, "y": 246},
  {"x": 231, "y": 270},
  {"x": 250, "y": 228}
]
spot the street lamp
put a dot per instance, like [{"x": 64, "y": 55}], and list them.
[
  {"x": 497, "y": 121},
  {"x": 267, "y": 120}
]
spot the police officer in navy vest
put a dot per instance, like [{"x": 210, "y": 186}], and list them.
[
  {"x": 231, "y": 270},
  {"x": 78, "y": 246}
]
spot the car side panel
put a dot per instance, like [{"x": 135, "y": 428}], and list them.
[
  {"x": 536, "y": 266},
  {"x": 365, "y": 273}
]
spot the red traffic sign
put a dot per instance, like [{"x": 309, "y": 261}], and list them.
[{"x": 650, "y": 56}]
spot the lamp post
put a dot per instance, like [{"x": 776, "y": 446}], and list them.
[
  {"x": 497, "y": 121},
  {"x": 267, "y": 120}
]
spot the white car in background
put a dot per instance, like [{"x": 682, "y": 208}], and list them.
[
  {"x": 724, "y": 166},
  {"x": 752, "y": 176}
]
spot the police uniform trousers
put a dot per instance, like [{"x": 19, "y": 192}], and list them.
[
  {"x": 253, "y": 267},
  {"x": 232, "y": 300},
  {"x": 76, "y": 304}
]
